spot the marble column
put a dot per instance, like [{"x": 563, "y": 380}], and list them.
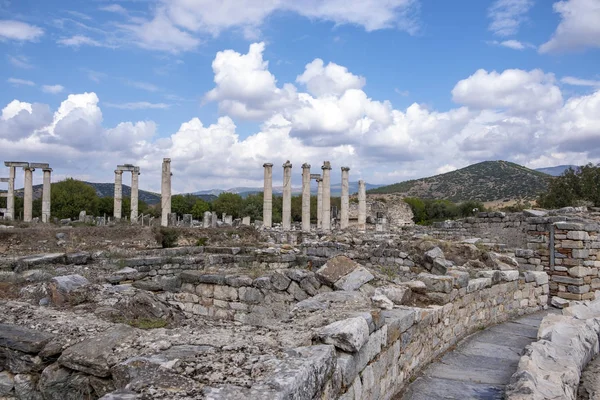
[
  {"x": 135, "y": 178},
  {"x": 28, "y": 195},
  {"x": 345, "y": 199},
  {"x": 268, "y": 196},
  {"x": 326, "y": 213},
  {"x": 362, "y": 206},
  {"x": 118, "y": 199},
  {"x": 286, "y": 208},
  {"x": 10, "y": 199},
  {"x": 165, "y": 192},
  {"x": 319, "y": 203},
  {"x": 46, "y": 195},
  {"x": 306, "y": 197}
]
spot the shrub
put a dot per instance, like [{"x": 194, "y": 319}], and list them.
[{"x": 167, "y": 237}]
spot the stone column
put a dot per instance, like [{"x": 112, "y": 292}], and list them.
[
  {"x": 135, "y": 178},
  {"x": 345, "y": 199},
  {"x": 306, "y": 197},
  {"x": 28, "y": 195},
  {"x": 118, "y": 203},
  {"x": 286, "y": 208},
  {"x": 362, "y": 206},
  {"x": 319, "y": 203},
  {"x": 268, "y": 196},
  {"x": 46, "y": 195},
  {"x": 10, "y": 200},
  {"x": 165, "y": 192},
  {"x": 326, "y": 213}
]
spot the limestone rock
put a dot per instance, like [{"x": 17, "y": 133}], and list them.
[
  {"x": 23, "y": 339},
  {"x": 354, "y": 280},
  {"x": 416, "y": 286},
  {"x": 335, "y": 268},
  {"x": 25, "y": 387},
  {"x": 436, "y": 283},
  {"x": 434, "y": 253},
  {"x": 559, "y": 302},
  {"x": 381, "y": 301},
  {"x": 7, "y": 383},
  {"x": 335, "y": 299},
  {"x": 501, "y": 261},
  {"x": 348, "y": 335},
  {"x": 95, "y": 355},
  {"x": 397, "y": 294}
]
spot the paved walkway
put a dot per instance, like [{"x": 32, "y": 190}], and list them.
[{"x": 480, "y": 366}]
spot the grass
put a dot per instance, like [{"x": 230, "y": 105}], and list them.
[{"x": 144, "y": 323}]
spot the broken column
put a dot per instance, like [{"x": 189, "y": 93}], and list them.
[
  {"x": 306, "y": 197},
  {"x": 28, "y": 195},
  {"x": 286, "y": 209},
  {"x": 268, "y": 196},
  {"x": 10, "y": 198},
  {"x": 46, "y": 195},
  {"x": 135, "y": 178},
  {"x": 206, "y": 219},
  {"x": 326, "y": 212},
  {"x": 345, "y": 199},
  {"x": 362, "y": 206},
  {"x": 165, "y": 192},
  {"x": 319, "y": 203},
  {"x": 118, "y": 200}
]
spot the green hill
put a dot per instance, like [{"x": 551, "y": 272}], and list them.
[{"x": 485, "y": 181}]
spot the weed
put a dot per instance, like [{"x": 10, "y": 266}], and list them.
[
  {"x": 202, "y": 241},
  {"x": 144, "y": 323}
]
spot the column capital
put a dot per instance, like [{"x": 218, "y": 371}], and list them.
[
  {"x": 267, "y": 165},
  {"x": 166, "y": 160},
  {"x": 306, "y": 166},
  {"x": 287, "y": 164},
  {"x": 47, "y": 169},
  {"x": 319, "y": 179},
  {"x": 326, "y": 165},
  {"x": 118, "y": 172},
  {"x": 28, "y": 169},
  {"x": 346, "y": 169}
]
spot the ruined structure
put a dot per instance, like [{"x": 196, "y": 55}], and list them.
[
  {"x": 345, "y": 200},
  {"x": 165, "y": 192},
  {"x": 268, "y": 196},
  {"x": 306, "y": 197},
  {"x": 326, "y": 201},
  {"x": 286, "y": 210},
  {"x": 118, "y": 198},
  {"x": 28, "y": 168}
]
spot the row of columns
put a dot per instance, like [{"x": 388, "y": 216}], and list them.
[
  {"x": 118, "y": 198},
  {"x": 323, "y": 197},
  {"x": 28, "y": 169}
]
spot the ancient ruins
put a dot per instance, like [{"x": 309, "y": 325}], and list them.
[
  {"x": 135, "y": 172},
  {"x": 364, "y": 306},
  {"x": 29, "y": 168}
]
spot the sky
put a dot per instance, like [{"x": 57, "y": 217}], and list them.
[{"x": 393, "y": 89}]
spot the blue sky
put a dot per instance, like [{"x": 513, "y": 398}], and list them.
[{"x": 395, "y": 89}]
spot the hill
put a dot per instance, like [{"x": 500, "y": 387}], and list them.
[
  {"x": 485, "y": 181},
  {"x": 336, "y": 190},
  {"x": 556, "y": 171}
]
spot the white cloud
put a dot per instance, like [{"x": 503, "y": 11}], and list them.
[
  {"x": 513, "y": 89},
  {"x": 14, "y": 108},
  {"x": 578, "y": 29},
  {"x": 149, "y": 87},
  {"x": 176, "y": 24},
  {"x": 570, "y": 80},
  {"x": 80, "y": 40},
  {"x": 508, "y": 15},
  {"x": 20, "y": 82},
  {"x": 20, "y": 61},
  {"x": 140, "y": 105},
  {"x": 332, "y": 79},
  {"x": 17, "y": 30},
  {"x": 54, "y": 89},
  {"x": 115, "y": 8},
  {"x": 513, "y": 44}
]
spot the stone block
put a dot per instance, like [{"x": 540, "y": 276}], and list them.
[
  {"x": 295, "y": 290},
  {"x": 434, "y": 253},
  {"x": 509, "y": 276},
  {"x": 354, "y": 280},
  {"x": 398, "y": 321},
  {"x": 23, "y": 339},
  {"x": 559, "y": 302},
  {"x": 580, "y": 253},
  {"x": 436, "y": 283},
  {"x": 478, "y": 284},
  {"x": 335, "y": 268},
  {"x": 225, "y": 293},
  {"x": 578, "y": 289},
  {"x": 567, "y": 280},
  {"x": 250, "y": 295},
  {"x": 539, "y": 277},
  {"x": 578, "y": 235},
  {"x": 569, "y": 226},
  {"x": 397, "y": 294},
  {"x": 571, "y": 244},
  {"x": 348, "y": 335},
  {"x": 579, "y": 272},
  {"x": 280, "y": 281}
]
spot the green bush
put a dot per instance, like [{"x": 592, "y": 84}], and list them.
[
  {"x": 426, "y": 211},
  {"x": 167, "y": 237},
  {"x": 573, "y": 187}
]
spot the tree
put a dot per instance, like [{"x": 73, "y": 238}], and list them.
[
  {"x": 199, "y": 208},
  {"x": 71, "y": 196},
  {"x": 253, "y": 206},
  {"x": 183, "y": 204},
  {"x": 229, "y": 203},
  {"x": 106, "y": 206},
  {"x": 574, "y": 187}
]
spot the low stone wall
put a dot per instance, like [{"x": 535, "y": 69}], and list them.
[{"x": 551, "y": 367}]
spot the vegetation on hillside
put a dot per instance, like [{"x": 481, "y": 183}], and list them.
[
  {"x": 575, "y": 187},
  {"x": 485, "y": 181},
  {"x": 426, "y": 211}
]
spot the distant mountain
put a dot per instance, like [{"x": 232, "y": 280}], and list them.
[
  {"x": 336, "y": 190},
  {"x": 556, "y": 171},
  {"x": 485, "y": 181}
]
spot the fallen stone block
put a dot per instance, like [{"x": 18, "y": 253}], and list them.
[
  {"x": 335, "y": 268},
  {"x": 436, "y": 283},
  {"x": 23, "y": 339},
  {"x": 348, "y": 335},
  {"x": 354, "y": 280},
  {"x": 397, "y": 294},
  {"x": 381, "y": 301}
]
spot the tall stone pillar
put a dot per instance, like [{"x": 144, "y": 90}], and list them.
[
  {"x": 10, "y": 200},
  {"x": 28, "y": 195},
  {"x": 306, "y": 197},
  {"x": 46, "y": 195},
  {"x": 268, "y": 196},
  {"x": 135, "y": 178},
  {"x": 118, "y": 203},
  {"x": 362, "y": 206},
  {"x": 345, "y": 198},
  {"x": 165, "y": 192},
  {"x": 326, "y": 213},
  {"x": 286, "y": 208},
  {"x": 319, "y": 203}
]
